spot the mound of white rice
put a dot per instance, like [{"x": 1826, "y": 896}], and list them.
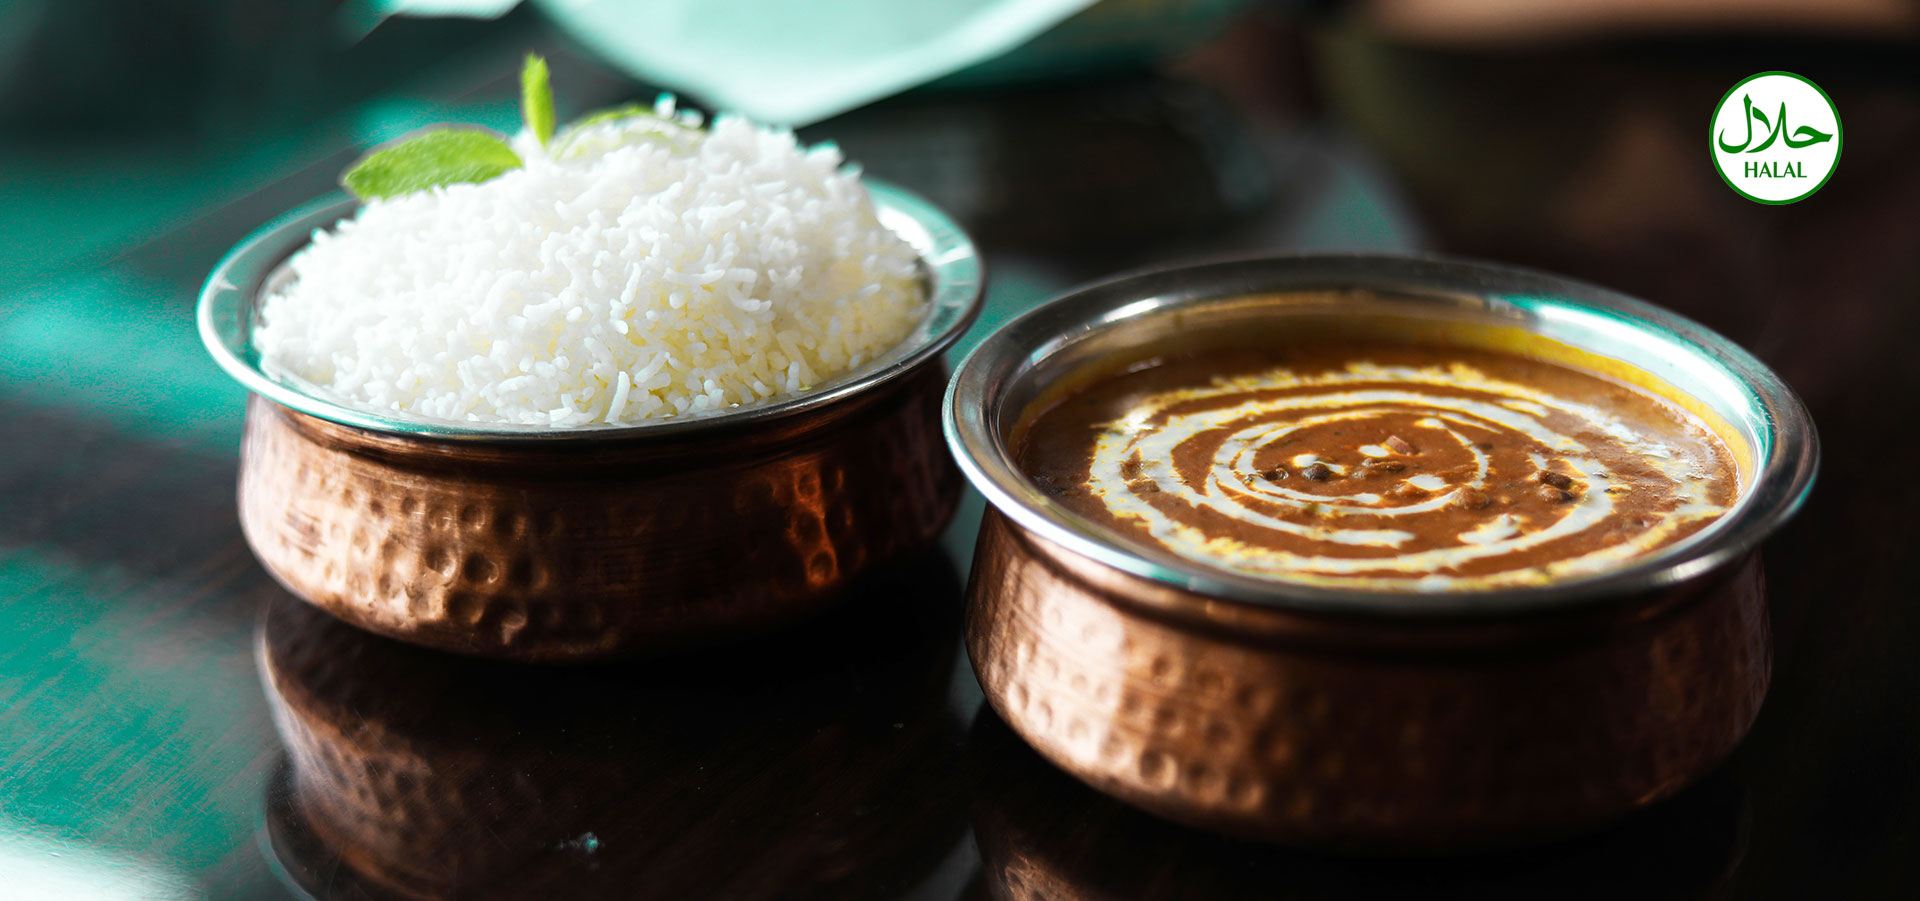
[{"x": 654, "y": 280}]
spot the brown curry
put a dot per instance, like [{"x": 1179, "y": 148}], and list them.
[{"x": 1381, "y": 465}]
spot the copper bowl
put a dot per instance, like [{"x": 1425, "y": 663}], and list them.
[
  {"x": 593, "y": 541},
  {"x": 1368, "y": 719}
]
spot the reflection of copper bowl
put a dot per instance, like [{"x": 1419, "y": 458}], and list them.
[
  {"x": 821, "y": 757},
  {"x": 1363, "y": 718},
  {"x": 1044, "y": 836},
  {"x": 551, "y": 544}
]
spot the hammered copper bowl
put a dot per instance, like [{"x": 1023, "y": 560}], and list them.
[
  {"x": 595, "y": 541},
  {"x": 1366, "y": 719}
]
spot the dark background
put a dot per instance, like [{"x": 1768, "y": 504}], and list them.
[{"x": 138, "y": 752}]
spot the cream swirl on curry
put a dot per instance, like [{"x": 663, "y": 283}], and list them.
[{"x": 1383, "y": 465}]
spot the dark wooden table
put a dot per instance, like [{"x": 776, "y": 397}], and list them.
[{"x": 146, "y": 657}]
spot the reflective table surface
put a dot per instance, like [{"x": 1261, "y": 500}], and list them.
[{"x": 174, "y": 725}]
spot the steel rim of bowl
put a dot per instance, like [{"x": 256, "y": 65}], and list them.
[
  {"x": 1786, "y": 451},
  {"x": 225, "y": 316}
]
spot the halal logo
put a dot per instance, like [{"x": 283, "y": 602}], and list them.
[{"x": 1776, "y": 137}]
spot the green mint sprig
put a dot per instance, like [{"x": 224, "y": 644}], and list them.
[
  {"x": 536, "y": 98},
  {"x": 429, "y": 158},
  {"x": 452, "y": 154},
  {"x": 610, "y": 114},
  {"x": 598, "y": 132}
]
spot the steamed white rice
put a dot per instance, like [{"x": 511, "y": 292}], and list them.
[{"x": 654, "y": 280}]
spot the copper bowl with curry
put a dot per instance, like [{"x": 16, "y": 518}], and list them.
[
  {"x": 593, "y": 541},
  {"x": 1374, "y": 552}
]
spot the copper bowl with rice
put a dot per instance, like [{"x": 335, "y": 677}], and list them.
[
  {"x": 592, "y": 541},
  {"x": 1385, "y": 715}
]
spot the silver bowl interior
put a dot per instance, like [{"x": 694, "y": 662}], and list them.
[
  {"x": 229, "y": 303},
  {"x": 1116, "y": 319}
]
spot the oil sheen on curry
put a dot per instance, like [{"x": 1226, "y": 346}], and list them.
[{"x": 1382, "y": 465}]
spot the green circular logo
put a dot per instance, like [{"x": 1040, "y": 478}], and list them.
[{"x": 1775, "y": 137}]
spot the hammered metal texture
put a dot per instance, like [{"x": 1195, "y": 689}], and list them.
[
  {"x": 432, "y": 776},
  {"x": 1044, "y": 836},
  {"x": 1363, "y": 733},
  {"x": 545, "y": 552}
]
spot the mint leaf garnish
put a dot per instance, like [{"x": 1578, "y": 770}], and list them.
[
  {"x": 536, "y": 98},
  {"x": 429, "y": 158},
  {"x": 601, "y": 131},
  {"x": 612, "y": 114}
]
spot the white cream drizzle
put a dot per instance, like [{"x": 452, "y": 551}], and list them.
[
  {"x": 1500, "y": 527},
  {"x": 1132, "y": 473}
]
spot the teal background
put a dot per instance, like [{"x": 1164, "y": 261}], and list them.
[{"x": 135, "y": 743}]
